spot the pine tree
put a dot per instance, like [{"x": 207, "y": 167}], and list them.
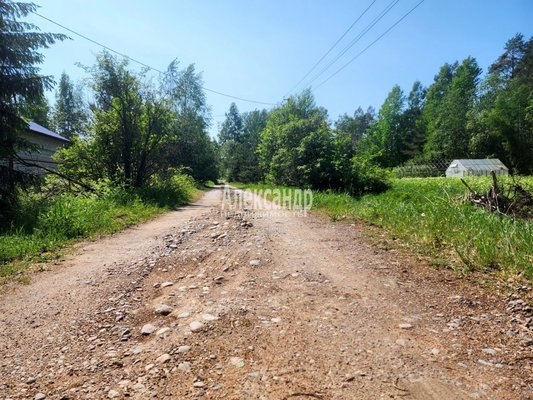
[
  {"x": 69, "y": 117},
  {"x": 20, "y": 83},
  {"x": 232, "y": 126},
  {"x": 414, "y": 127}
]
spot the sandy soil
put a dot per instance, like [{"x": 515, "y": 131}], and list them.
[{"x": 251, "y": 304}]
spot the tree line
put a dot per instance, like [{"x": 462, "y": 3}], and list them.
[
  {"x": 135, "y": 129},
  {"x": 141, "y": 128},
  {"x": 127, "y": 129},
  {"x": 459, "y": 115}
]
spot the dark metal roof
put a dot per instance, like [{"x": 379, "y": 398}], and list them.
[{"x": 34, "y": 127}]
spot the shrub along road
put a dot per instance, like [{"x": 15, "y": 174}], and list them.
[{"x": 239, "y": 305}]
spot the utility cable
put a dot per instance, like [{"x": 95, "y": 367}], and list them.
[
  {"x": 331, "y": 48},
  {"x": 371, "y": 44},
  {"x": 355, "y": 40},
  {"x": 143, "y": 64}
]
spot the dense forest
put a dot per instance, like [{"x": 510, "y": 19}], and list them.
[
  {"x": 139, "y": 130},
  {"x": 461, "y": 114}
]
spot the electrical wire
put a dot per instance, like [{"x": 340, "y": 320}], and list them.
[
  {"x": 371, "y": 44},
  {"x": 378, "y": 18},
  {"x": 331, "y": 48},
  {"x": 143, "y": 64}
]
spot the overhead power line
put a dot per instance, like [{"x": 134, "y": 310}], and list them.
[
  {"x": 97, "y": 43},
  {"x": 332, "y": 47},
  {"x": 373, "y": 23},
  {"x": 371, "y": 44},
  {"x": 143, "y": 64}
]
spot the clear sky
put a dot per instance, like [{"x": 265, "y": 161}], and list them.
[{"x": 260, "y": 49}]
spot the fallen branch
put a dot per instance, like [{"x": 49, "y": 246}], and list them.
[
  {"x": 511, "y": 200},
  {"x": 468, "y": 187},
  {"x": 54, "y": 172}
]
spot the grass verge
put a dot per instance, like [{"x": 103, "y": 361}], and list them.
[
  {"x": 44, "y": 227},
  {"x": 427, "y": 216}
]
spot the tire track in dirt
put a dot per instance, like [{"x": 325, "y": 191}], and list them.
[{"x": 259, "y": 305}]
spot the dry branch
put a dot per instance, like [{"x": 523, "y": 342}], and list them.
[{"x": 510, "y": 199}]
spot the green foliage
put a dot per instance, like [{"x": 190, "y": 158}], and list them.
[
  {"x": 298, "y": 148},
  {"x": 71, "y": 217},
  {"x": 139, "y": 131},
  {"x": 394, "y": 137},
  {"x": 508, "y": 64},
  {"x": 190, "y": 146},
  {"x": 45, "y": 224},
  {"x": 433, "y": 111},
  {"x": 296, "y": 145},
  {"x": 185, "y": 89},
  {"x": 386, "y": 134},
  {"x": 80, "y": 162},
  {"x": 467, "y": 119},
  {"x": 367, "y": 177},
  {"x": 349, "y": 132},
  {"x": 171, "y": 191},
  {"x": 36, "y": 110},
  {"x": 132, "y": 163},
  {"x": 232, "y": 155},
  {"x": 450, "y": 104},
  {"x": 254, "y": 123},
  {"x": 232, "y": 152},
  {"x": 426, "y": 215},
  {"x": 196, "y": 152},
  {"x": 503, "y": 119},
  {"x": 239, "y": 137},
  {"x": 132, "y": 121},
  {"x": 70, "y": 117},
  {"x": 414, "y": 131},
  {"x": 455, "y": 117},
  {"x": 232, "y": 127},
  {"x": 21, "y": 86}
]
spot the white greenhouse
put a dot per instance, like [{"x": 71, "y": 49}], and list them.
[{"x": 476, "y": 167}]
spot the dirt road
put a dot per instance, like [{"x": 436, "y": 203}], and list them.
[{"x": 255, "y": 305}]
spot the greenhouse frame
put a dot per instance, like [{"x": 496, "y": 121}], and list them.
[{"x": 476, "y": 167}]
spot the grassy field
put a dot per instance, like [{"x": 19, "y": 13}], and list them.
[
  {"x": 427, "y": 215},
  {"x": 46, "y": 225}
]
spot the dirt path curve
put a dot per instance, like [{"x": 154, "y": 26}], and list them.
[
  {"x": 255, "y": 304},
  {"x": 73, "y": 277}
]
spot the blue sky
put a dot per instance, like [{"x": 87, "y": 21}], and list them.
[{"x": 260, "y": 49}]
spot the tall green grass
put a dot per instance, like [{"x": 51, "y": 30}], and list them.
[
  {"x": 427, "y": 215},
  {"x": 44, "y": 225}
]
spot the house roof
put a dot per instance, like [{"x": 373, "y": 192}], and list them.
[
  {"x": 34, "y": 127},
  {"x": 483, "y": 164}
]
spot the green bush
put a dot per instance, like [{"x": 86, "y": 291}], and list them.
[
  {"x": 70, "y": 217},
  {"x": 45, "y": 222},
  {"x": 366, "y": 177},
  {"x": 171, "y": 191}
]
